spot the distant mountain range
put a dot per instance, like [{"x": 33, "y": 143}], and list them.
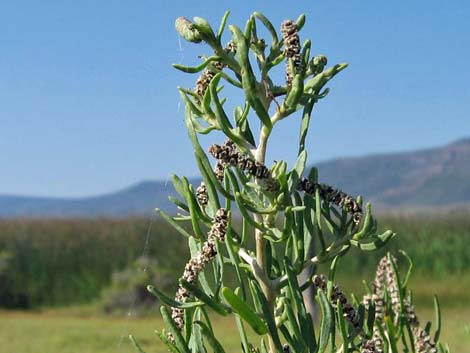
[
  {"x": 431, "y": 178},
  {"x": 425, "y": 179}
]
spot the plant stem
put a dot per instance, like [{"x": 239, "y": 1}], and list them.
[
  {"x": 262, "y": 144},
  {"x": 268, "y": 290},
  {"x": 326, "y": 255}
]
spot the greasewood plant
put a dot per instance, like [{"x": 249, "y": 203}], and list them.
[{"x": 295, "y": 221}]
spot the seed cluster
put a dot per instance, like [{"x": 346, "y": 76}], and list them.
[
  {"x": 219, "y": 225},
  {"x": 385, "y": 280},
  {"x": 370, "y": 346},
  {"x": 378, "y": 297},
  {"x": 337, "y": 295},
  {"x": 410, "y": 313},
  {"x": 378, "y": 291},
  {"x": 228, "y": 155},
  {"x": 203, "y": 81},
  {"x": 392, "y": 287},
  {"x": 290, "y": 35},
  {"x": 231, "y": 47},
  {"x": 349, "y": 312},
  {"x": 423, "y": 343},
  {"x": 379, "y": 281},
  {"x": 422, "y": 340},
  {"x": 201, "y": 194},
  {"x": 197, "y": 264},
  {"x": 219, "y": 171},
  {"x": 334, "y": 196}
]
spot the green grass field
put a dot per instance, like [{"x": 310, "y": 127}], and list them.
[{"x": 73, "y": 331}]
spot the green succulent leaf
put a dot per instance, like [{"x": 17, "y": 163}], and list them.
[
  {"x": 391, "y": 334},
  {"x": 376, "y": 243},
  {"x": 243, "y": 335},
  {"x": 170, "y": 346},
  {"x": 269, "y": 26},
  {"x": 136, "y": 344},
  {"x": 169, "y": 301},
  {"x": 370, "y": 319},
  {"x": 250, "y": 85},
  {"x": 366, "y": 225},
  {"x": 204, "y": 166},
  {"x": 268, "y": 316},
  {"x": 194, "y": 210},
  {"x": 178, "y": 203},
  {"x": 204, "y": 297},
  {"x": 410, "y": 268},
  {"x": 299, "y": 23},
  {"x": 196, "y": 69},
  {"x": 294, "y": 95},
  {"x": 327, "y": 321},
  {"x": 343, "y": 325},
  {"x": 318, "y": 82},
  {"x": 176, "y": 333},
  {"x": 246, "y": 313},
  {"x": 437, "y": 321},
  {"x": 209, "y": 335},
  {"x": 175, "y": 225},
  {"x": 220, "y": 32}
]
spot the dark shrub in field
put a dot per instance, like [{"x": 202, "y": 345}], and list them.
[
  {"x": 128, "y": 289},
  {"x": 10, "y": 296}
]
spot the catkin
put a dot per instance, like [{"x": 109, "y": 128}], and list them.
[
  {"x": 378, "y": 297},
  {"x": 201, "y": 194},
  {"x": 290, "y": 35},
  {"x": 203, "y": 81},
  {"x": 386, "y": 281},
  {"x": 219, "y": 171},
  {"x": 350, "y": 313},
  {"x": 410, "y": 313},
  {"x": 231, "y": 47},
  {"x": 197, "y": 264},
  {"x": 370, "y": 346},
  {"x": 228, "y": 155},
  {"x": 393, "y": 290},
  {"x": 337, "y": 295},
  {"x": 373, "y": 345},
  {"x": 422, "y": 340},
  {"x": 334, "y": 196}
]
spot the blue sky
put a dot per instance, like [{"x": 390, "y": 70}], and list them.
[{"x": 88, "y": 100}]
